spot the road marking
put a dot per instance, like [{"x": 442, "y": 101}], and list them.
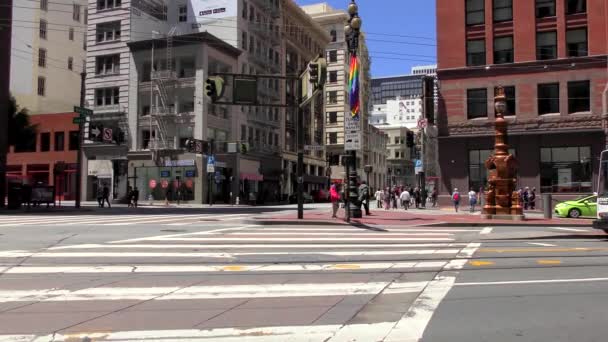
[
  {"x": 486, "y": 230},
  {"x": 20, "y": 254},
  {"x": 307, "y": 239},
  {"x": 260, "y": 245},
  {"x": 526, "y": 282},
  {"x": 481, "y": 263},
  {"x": 161, "y": 237},
  {"x": 548, "y": 262},
  {"x": 570, "y": 229},
  {"x": 465, "y": 253},
  {"x": 362, "y": 233},
  {"x": 77, "y": 269},
  {"x": 541, "y": 244},
  {"x": 545, "y": 250},
  {"x": 412, "y": 325},
  {"x": 206, "y": 292}
]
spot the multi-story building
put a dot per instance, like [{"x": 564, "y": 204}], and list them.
[
  {"x": 550, "y": 57},
  {"x": 148, "y": 63},
  {"x": 336, "y": 90},
  {"x": 399, "y": 158},
  {"x": 391, "y": 87},
  {"x": 428, "y": 70},
  {"x": 48, "y": 48},
  {"x": 378, "y": 142}
]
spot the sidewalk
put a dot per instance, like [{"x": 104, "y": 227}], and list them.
[{"x": 418, "y": 217}]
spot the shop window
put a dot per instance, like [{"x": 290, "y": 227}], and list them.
[
  {"x": 579, "y": 96},
  {"x": 548, "y": 98},
  {"x": 478, "y": 174},
  {"x": 566, "y": 169}
]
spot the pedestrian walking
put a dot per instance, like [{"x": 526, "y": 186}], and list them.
[
  {"x": 387, "y": 199},
  {"x": 526, "y": 198},
  {"x": 417, "y": 197},
  {"x": 106, "y": 196},
  {"x": 100, "y": 197},
  {"x": 532, "y": 199},
  {"x": 405, "y": 199},
  {"x": 364, "y": 196},
  {"x": 472, "y": 200},
  {"x": 130, "y": 197},
  {"x": 378, "y": 195},
  {"x": 434, "y": 196},
  {"x": 334, "y": 197},
  {"x": 424, "y": 194},
  {"x": 395, "y": 198},
  {"x": 456, "y": 199},
  {"x": 135, "y": 197}
]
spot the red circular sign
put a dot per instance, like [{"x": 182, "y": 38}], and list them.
[
  {"x": 164, "y": 183},
  {"x": 152, "y": 183},
  {"x": 189, "y": 183}
]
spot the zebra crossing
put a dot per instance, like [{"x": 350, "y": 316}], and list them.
[{"x": 237, "y": 282}]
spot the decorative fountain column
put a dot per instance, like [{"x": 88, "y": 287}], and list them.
[{"x": 502, "y": 200}]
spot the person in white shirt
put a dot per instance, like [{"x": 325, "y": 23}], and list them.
[
  {"x": 472, "y": 200},
  {"x": 379, "y": 197},
  {"x": 405, "y": 199}
]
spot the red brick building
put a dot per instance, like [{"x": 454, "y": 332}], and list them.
[
  {"x": 56, "y": 141},
  {"x": 550, "y": 55}
]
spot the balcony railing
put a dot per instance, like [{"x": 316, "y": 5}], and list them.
[
  {"x": 117, "y": 108},
  {"x": 164, "y": 75}
]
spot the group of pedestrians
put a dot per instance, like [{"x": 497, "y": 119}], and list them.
[
  {"x": 526, "y": 196},
  {"x": 336, "y": 196},
  {"x": 103, "y": 196},
  {"x": 404, "y": 197}
]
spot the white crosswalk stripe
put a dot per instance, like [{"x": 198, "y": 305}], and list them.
[
  {"x": 116, "y": 220},
  {"x": 310, "y": 263}
]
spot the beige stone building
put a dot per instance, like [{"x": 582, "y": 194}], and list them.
[{"x": 47, "y": 54}]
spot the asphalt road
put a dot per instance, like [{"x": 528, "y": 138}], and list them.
[{"x": 213, "y": 275}]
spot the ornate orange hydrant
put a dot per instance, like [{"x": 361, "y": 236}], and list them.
[{"x": 501, "y": 197}]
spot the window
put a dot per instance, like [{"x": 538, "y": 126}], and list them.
[
  {"x": 107, "y": 96},
  {"x": 503, "y": 50},
  {"x": 476, "y": 52},
  {"x": 73, "y": 141},
  {"x": 333, "y": 138},
  {"x": 59, "y": 141},
  {"x": 244, "y": 13},
  {"x": 76, "y": 12},
  {"x": 44, "y": 5},
  {"x": 565, "y": 169},
  {"x": 183, "y": 14},
  {"x": 478, "y": 174},
  {"x": 333, "y": 56},
  {"x": 243, "y": 133},
  {"x": 548, "y": 98},
  {"x": 42, "y": 29},
  {"x": 42, "y": 58},
  {"x": 545, "y": 8},
  {"x": 477, "y": 103},
  {"x": 107, "y": 65},
  {"x": 71, "y": 33},
  {"x": 333, "y": 76},
  {"x": 41, "y": 86},
  {"x": 510, "y": 95},
  {"x": 244, "y": 40},
  {"x": 45, "y": 142},
  {"x": 503, "y": 10},
  {"x": 333, "y": 117},
  {"x": 576, "y": 41},
  {"x": 70, "y": 63},
  {"x": 333, "y": 35},
  {"x": 579, "y": 94},
  {"x": 332, "y": 97},
  {"x": 475, "y": 12},
  {"x": 546, "y": 45},
  {"x": 576, "y": 6},
  {"x": 107, "y": 4},
  {"x": 108, "y": 31}
]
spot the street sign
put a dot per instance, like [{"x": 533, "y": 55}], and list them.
[
  {"x": 314, "y": 148},
  {"x": 95, "y": 132},
  {"x": 352, "y": 141},
  {"x": 83, "y": 111},
  {"x": 77, "y": 120},
  {"x": 107, "y": 134},
  {"x": 418, "y": 168},
  {"x": 211, "y": 164}
]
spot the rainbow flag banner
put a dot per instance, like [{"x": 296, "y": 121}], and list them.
[{"x": 353, "y": 84}]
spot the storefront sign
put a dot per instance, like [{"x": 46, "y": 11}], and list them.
[
  {"x": 152, "y": 184},
  {"x": 165, "y": 174},
  {"x": 184, "y": 162},
  {"x": 100, "y": 168},
  {"x": 190, "y": 173}
]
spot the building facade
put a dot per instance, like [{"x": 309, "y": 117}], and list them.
[
  {"x": 48, "y": 44},
  {"x": 399, "y": 157},
  {"x": 336, "y": 92},
  {"x": 391, "y": 87},
  {"x": 159, "y": 104},
  {"x": 56, "y": 143},
  {"x": 550, "y": 57}
]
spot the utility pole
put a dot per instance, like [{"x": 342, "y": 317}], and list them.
[
  {"x": 83, "y": 76},
  {"x": 6, "y": 14},
  {"x": 300, "y": 138},
  {"x": 352, "y": 31}
]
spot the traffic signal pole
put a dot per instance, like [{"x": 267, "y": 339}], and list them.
[
  {"x": 83, "y": 76},
  {"x": 300, "y": 136}
]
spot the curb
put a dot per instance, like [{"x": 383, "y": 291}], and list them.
[{"x": 296, "y": 222}]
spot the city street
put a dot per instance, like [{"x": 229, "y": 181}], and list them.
[{"x": 217, "y": 275}]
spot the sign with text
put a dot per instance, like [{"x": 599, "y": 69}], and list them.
[
  {"x": 351, "y": 125},
  {"x": 352, "y": 141},
  {"x": 201, "y": 10}
]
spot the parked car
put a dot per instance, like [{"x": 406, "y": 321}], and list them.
[
  {"x": 294, "y": 198},
  {"x": 320, "y": 196},
  {"x": 582, "y": 206}
]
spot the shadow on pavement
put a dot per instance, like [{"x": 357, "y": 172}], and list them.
[
  {"x": 70, "y": 211},
  {"x": 600, "y": 236}
]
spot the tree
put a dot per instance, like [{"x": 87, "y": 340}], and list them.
[{"x": 21, "y": 133}]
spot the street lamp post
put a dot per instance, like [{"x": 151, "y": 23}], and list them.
[{"x": 352, "y": 31}]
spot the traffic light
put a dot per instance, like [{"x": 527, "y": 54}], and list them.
[
  {"x": 409, "y": 139},
  {"x": 318, "y": 72},
  {"x": 215, "y": 87},
  {"x": 313, "y": 69}
]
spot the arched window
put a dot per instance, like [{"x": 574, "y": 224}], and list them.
[{"x": 334, "y": 35}]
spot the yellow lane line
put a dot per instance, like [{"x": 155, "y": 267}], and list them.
[
  {"x": 548, "y": 262},
  {"x": 481, "y": 263}
]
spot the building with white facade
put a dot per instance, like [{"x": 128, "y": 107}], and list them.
[
  {"x": 428, "y": 70},
  {"x": 146, "y": 70},
  {"x": 48, "y": 49}
]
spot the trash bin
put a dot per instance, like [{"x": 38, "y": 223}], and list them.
[{"x": 14, "y": 196}]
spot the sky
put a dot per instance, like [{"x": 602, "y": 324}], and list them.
[{"x": 400, "y": 33}]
